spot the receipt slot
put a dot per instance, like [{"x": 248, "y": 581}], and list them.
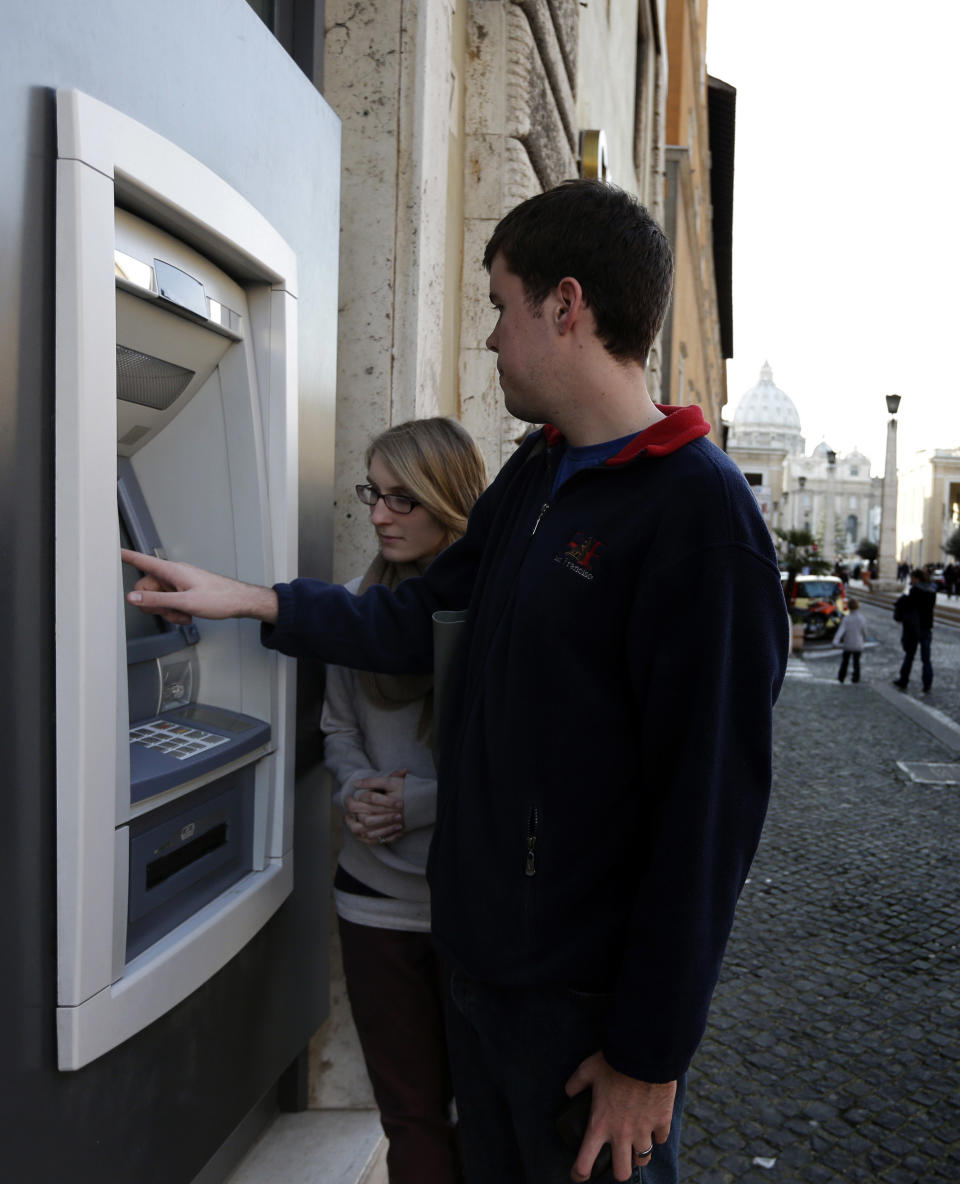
[{"x": 176, "y": 435}]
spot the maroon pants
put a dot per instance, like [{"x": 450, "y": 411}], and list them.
[{"x": 394, "y": 984}]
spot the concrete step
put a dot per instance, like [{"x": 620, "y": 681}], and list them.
[{"x": 317, "y": 1147}]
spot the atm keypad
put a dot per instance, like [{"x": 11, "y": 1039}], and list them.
[{"x": 177, "y": 740}]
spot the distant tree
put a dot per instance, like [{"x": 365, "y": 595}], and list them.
[
  {"x": 796, "y": 550},
  {"x": 952, "y": 545},
  {"x": 867, "y": 549}
]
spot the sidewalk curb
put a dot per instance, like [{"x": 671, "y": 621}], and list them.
[{"x": 940, "y": 726}]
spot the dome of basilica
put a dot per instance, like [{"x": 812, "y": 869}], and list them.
[
  {"x": 766, "y": 418},
  {"x": 766, "y": 405}
]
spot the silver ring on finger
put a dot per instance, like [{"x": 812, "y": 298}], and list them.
[{"x": 644, "y": 1154}]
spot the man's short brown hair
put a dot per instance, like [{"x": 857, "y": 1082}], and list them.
[{"x": 606, "y": 240}]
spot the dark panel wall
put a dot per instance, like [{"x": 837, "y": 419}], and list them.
[{"x": 209, "y": 76}]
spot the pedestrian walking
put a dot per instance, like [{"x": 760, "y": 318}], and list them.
[
  {"x": 914, "y": 610},
  {"x": 852, "y": 635}
]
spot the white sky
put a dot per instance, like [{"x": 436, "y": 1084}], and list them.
[{"x": 846, "y": 248}]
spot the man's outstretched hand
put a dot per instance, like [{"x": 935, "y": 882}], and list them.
[
  {"x": 630, "y": 1115},
  {"x": 178, "y": 592}
]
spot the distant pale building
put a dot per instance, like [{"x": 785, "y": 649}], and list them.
[
  {"x": 825, "y": 493},
  {"x": 765, "y": 431},
  {"x": 928, "y": 505},
  {"x": 856, "y": 498}
]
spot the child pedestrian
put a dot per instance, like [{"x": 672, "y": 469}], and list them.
[{"x": 852, "y": 635}]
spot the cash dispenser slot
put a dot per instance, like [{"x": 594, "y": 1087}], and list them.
[
  {"x": 184, "y": 855},
  {"x": 167, "y": 865}
]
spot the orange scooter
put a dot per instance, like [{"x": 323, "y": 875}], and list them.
[{"x": 822, "y": 619}]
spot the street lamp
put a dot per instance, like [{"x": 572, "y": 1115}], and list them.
[
  {"x": 830, "y": 526},
  {"x": 888, "y": 513}
]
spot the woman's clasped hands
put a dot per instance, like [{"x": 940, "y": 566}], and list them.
[{"x": 375, "y": 808}]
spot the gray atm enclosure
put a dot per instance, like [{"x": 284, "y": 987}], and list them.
[
  {"x": 181, "y": 1098},
  {"x": 176, "y": 434}
]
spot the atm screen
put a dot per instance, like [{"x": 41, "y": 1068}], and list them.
[
  {"x": 148, "y": 636},
  {"x": 138, "y": 624}
]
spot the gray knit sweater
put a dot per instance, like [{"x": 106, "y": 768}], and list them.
[{"x": 363, "y": 740}]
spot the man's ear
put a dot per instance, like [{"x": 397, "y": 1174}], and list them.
[{"x": 569, "y": 303}]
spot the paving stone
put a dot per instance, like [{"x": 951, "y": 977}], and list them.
[
  {"x": 901, "y": 1175},
  {"x": 818, "y": 1174},
  {"x": 821, "y": 1111},
  {"x": 729, "y": 1141}
]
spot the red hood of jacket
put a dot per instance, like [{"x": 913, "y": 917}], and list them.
[{"x": 682, "y": 424}]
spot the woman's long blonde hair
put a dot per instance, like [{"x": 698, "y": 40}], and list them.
[{"x": 438, "y": 464}]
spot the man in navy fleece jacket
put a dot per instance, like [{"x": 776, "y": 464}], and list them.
[{"x": 606, "y": 755}]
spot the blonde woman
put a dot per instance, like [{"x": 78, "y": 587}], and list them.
[{"x": 421, "y": 482}]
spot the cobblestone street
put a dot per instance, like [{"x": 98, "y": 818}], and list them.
[{"x": 833, "y": 1050}]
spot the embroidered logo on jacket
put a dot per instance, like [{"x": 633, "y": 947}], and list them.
[{"x": 580, "y": 554}]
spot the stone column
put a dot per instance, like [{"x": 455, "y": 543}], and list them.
[
  {"x": 830, "y": 516},
  {"x": 887, "y": 575},
  {"x": 388, "y": 71}
]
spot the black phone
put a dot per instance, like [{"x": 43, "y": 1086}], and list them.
[{"x": 572, "y": 1126}]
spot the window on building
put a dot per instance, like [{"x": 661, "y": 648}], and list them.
[
  {"x": 754, "y": 478},
  {"x": 298, "y": 26}
]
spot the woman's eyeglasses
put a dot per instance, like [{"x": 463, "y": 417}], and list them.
[{"x": 397, "y": 503}]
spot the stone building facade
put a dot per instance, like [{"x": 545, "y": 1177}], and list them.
[
  {"x": 928, "y": 505},
  {"x": 839, "y": 501},
  {"x": 453, "y": 112},
  {"x": 698, "y": 214}
]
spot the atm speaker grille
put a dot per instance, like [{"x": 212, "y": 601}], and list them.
[{"x": 148, "y": 381}]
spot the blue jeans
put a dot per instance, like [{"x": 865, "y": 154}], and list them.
[
  {"x": 910, "y": 643},
  {"x": 511, "y": 1053}
]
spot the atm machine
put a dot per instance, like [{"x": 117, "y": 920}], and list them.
[{"x": 176, "y": 436}]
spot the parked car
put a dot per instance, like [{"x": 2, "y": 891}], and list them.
[{"x": 808, "y": 589}]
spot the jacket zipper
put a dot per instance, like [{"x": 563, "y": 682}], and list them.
[
  {"x": 546, "y": 505},
  {"x": 530, "y": 868},
  {"x": 543, "y": 510}
]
